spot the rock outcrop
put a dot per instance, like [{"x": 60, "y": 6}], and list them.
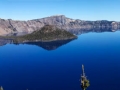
[{"x": 60, "y": 21}]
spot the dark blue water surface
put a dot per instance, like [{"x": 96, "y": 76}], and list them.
[{"x": 58, "y": 67}]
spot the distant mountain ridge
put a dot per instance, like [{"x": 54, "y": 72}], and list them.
[{"x": 15, "y": 26}]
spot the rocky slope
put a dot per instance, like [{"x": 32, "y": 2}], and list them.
[{"x": 13, "y": 26}]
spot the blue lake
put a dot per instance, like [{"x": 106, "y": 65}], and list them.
[{"x": 57, "y": 66}]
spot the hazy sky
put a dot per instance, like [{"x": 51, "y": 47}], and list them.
[{"x": 76, "y": 9}]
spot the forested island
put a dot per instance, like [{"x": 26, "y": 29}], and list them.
[{"x": 45, "y": 34}]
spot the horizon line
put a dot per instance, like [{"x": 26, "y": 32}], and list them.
[{"x": 56, "y": 15}]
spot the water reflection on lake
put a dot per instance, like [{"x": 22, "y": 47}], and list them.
[{"x": 28, "y": 66}]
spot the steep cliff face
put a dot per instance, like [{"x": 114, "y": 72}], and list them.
[
  {"x": 60, "y": 21},
  {"x": 11, "y": 26}
]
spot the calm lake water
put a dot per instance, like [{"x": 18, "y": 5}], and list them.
[{"x": 57, "y": 65}]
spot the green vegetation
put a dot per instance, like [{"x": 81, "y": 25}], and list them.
[
  {"x": 85, "y": 84},
  {"x": 47, "y": 33},
  {"x": 84, "y": 81}
]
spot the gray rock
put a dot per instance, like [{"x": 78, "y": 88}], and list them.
[{"x": 12, "y": 26}]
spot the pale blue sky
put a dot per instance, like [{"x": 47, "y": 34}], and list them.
[{"x": 76, "y": 9}]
